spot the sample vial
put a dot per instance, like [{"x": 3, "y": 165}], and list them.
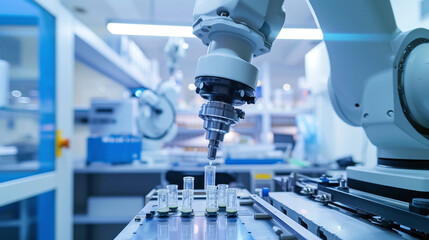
[
  {"x": 221, "y": 196},
  {"x": 188, "y": 183},
  {"x": 211, "y": 200},
  {"x": 187, "y": 199},
  {"x": 231, "y": 201},
  {"x": 209, "y": 176},
  {"x": 162, "y": 202},
  {"x": 172, "y": 197}
]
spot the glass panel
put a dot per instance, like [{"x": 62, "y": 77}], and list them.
[
  {"x": 21, "y": 220},
  {"x": 27, "y": 90}
]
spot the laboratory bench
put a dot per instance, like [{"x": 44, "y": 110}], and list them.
[
  {"x": 122, "y": 188},
  {"x": 254, "y": 219}
]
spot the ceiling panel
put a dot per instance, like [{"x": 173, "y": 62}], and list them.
[
  {"x": 134, "y": 11},
  {"x": 177, "y": 12}
]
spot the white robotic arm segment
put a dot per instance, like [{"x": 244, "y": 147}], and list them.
[
  {"x": 265, "y": 17},
  {"x": 379, "y": 81},
  {"x": 149, "y": 97},
  {"x": 416, "y": 84},
  {"x": 235, "y": 31},
  {"x": 156, "y": 119},
  {"x": 369, "y": 84},
  {"x": 358, "y": 37}
]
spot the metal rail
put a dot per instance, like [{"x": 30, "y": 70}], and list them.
[{"x": 289, "y": 224}]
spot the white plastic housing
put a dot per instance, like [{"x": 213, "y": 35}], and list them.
[
  {"x": 236, "y": 30},
  {"x": 416, "y": 83},
  {"x": 157, "y": 127}
]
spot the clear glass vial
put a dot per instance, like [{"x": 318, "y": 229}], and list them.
[
  {"x": 211, "y": 200},
  {"x": 187, "y": 199},
  {"x": 162, "y": 202},
  {"x": 221, "y": 195},
  {"x": 231, "y": 200},
  {"x": 209, "y": 176},
  {"x": 188, "y": 183},
  {"x": 172, "y": 197}
]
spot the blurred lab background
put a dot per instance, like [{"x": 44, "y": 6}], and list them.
[{"x": 118, "y": 115}]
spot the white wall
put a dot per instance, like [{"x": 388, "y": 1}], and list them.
[
  {"x": 336, "y": 138},
  {"x": 89, "y": 84}
]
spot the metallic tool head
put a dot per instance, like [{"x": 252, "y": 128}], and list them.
[
  {"x": 226, "y": 77},
  {"x": 218, "y": 118},
  {"x": 219, "y": 113}
]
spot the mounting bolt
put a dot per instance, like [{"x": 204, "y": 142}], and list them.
[
  {"x": 307, "y": 191},
  {"x": 323, "y": 198},
  {"x": 224, "y": 14},
  {"x": 342, "y": 183},
  {"x": 241, "y": 93}
]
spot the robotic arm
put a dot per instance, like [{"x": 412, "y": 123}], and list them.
[
  {"x": 156, "y": 118},
  {"x": 378, "y": 78}
]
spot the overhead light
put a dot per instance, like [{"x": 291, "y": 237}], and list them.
[
  {"x": 286, "y": 87},
  {"x": 301, "y": 34},
  {"x": 186, "y": 31},
  {"x": 191, "y": 87},
  {"x": 150, "y": 30},
  {"x": 16, "y": 93},
  {"x": 138, "y": 93}
]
